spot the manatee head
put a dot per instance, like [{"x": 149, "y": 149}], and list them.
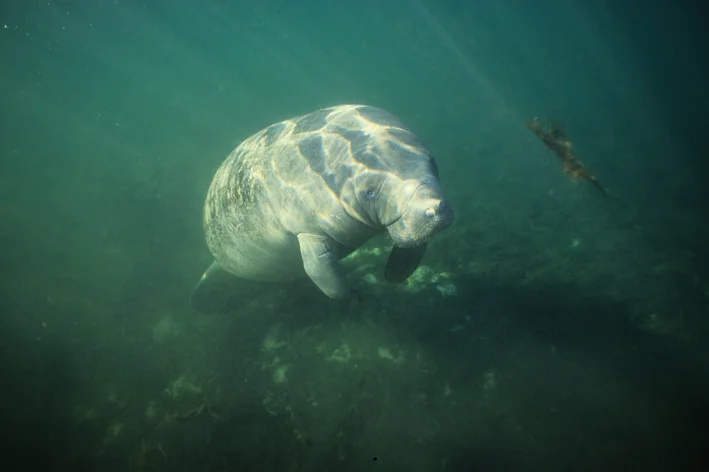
[
  {"x": 405, "y": 197},
  {"x": 425, "y": 212}
]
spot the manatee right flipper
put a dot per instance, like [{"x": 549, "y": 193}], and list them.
[
  {"x": 219, "y": 291},
  {"x": 320, "y": 260},
  {"x": 402, "y": 262}
]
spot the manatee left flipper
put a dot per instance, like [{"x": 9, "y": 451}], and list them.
[
  {"x": 219, "y": 291},
  {"x": 321, "y": 255},
  {"x": 402, "y": 262}
]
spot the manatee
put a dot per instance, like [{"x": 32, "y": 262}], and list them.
[{"x": 295, "y": 198}]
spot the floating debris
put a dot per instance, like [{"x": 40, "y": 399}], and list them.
[{"x": 554, "y": 137}]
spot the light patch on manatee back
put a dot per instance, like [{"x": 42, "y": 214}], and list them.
[
  {"x": 344, "y": 118},
  {"x": 372, "y": 129}
]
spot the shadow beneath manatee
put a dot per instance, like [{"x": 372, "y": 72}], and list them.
[
  {"x": 589, "y": 388},
  {"x": 648, "y": 415}
]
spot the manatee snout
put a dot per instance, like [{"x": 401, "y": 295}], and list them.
[{"x": 427, "y": 214}]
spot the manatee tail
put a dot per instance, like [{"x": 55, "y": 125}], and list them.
[{"x": 219, "y": 291}]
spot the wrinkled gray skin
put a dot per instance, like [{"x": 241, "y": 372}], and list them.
[{"x": 298, "y": 196}]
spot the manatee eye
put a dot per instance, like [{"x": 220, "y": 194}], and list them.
[{"x": 369, "y": 195}]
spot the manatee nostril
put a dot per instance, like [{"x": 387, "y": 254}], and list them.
[{"x": 439, "y": 209}]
